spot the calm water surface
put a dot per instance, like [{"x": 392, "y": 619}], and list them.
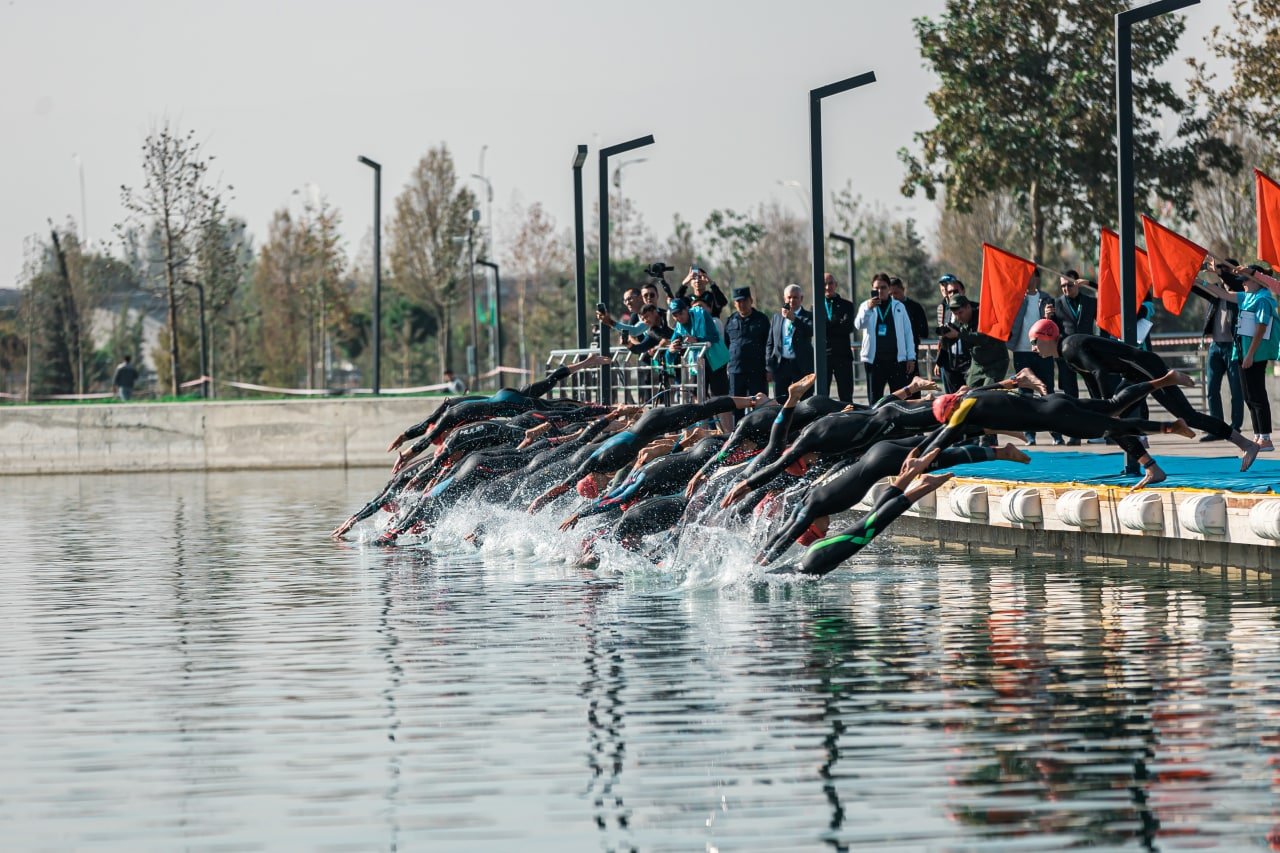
[{"x": 189, "y": 664}]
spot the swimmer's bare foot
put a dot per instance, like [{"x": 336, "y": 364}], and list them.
[
  {"x": 1174, "y": 377},
  {"x": 1153, "y": 475},
  {"x": 1009, "y": 453},
  {"x": 796, "y": 390},
  {"x": 1179, "y": 427}
]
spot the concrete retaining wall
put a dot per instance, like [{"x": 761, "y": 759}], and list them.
[{"x": 215, "y": 436}]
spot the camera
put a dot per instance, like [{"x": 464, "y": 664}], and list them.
[
  {"x": 657, "y": 269},
  {"x": 601, "y": 307},
  {"x": 943, "y": 329}
]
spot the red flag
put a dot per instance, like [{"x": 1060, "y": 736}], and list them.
[
  {"x": 1174, "y": 261},
  {"x": 1268, "y": 218},
  {"x": 1004, "y": 286},
  {"x": 1109, "y": 281}
]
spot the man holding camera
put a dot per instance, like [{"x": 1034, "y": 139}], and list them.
[
  {"x": 989, "y": 358},
  {"x": 953, "y": 357},
  {"x": 840, "y": 313},
  {"x": 746, "y": 333},
  {"x": 789, "y": 351}
]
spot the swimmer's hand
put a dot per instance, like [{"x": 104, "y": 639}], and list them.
[
  {"x": 397, "y": 441},
  {"x": 694, "y": 485},
  {"x": 738, "y": 493}
]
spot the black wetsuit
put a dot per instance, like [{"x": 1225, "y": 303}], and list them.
[
  {"x": 646, "y": 518},
  {"x": 1002, "y": 410},
  {"x": 844, "y": 433},
  {"x": 503, "y": 404},
  {"x": 825, "y": 555},
  {"x": 666, "y": 475},
  {"x": 842, "y": 489},
  {"x": 1093, "y": 358},
  {"x": 621, "y": 448}
]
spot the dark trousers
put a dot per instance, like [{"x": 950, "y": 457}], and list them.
[
  {"x": 951, "y": 378},
  {"x": 784, "y": 373},
  {"x": 1219, "y": 365},
  {"x": 842, "y": 371},
  {"x": 882, "y": 373},
  {"x": 1254, "y": 380},
  {"x": 747, "y": 385},
  {"x": 1041, "y": 367}
]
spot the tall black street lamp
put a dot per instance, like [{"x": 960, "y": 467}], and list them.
[
  {"x": 496, "y": 332},
  {"x": 853, "y": 264},
  {"x": 204, "y": 345},
  {"x": 579, "y": 250},
  {"x": 377, "y": 272},
  {"x": 605, "y": 154},
  {"x": 815, "y": 220},
  {"x": 1124, "y": 155}
]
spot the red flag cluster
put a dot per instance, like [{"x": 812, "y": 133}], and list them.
[{"x": 1168, "y": 266}]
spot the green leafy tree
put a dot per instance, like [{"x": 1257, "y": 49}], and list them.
[
  {"x": 730, "y": 238},
  {"x": 1026, "y": 105},
  {"x": 427, "y": 262},
  {"x": 1251, "y": 45}
]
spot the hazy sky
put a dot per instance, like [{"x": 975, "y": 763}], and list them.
[{"x": 287, "y": 94}]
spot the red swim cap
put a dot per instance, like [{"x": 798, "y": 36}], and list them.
[
  {"x": 943, "y": 406},
  {"x": 587, "y": 487},
  {"x": 1045, "y": 330}
]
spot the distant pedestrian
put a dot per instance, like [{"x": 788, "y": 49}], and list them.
[
  {"x": 454, "y": 385},
  {"x": 124, "y": 380}
]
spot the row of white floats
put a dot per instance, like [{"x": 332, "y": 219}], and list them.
[{"x": 1205, "y": 514}]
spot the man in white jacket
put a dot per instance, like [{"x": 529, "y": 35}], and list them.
[{"x": 888, "y": 347}]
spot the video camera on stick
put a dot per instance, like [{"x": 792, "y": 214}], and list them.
[{"x": 657, "y": 270}]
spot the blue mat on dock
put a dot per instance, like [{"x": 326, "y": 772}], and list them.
[{"x": 1103, "y": 469}]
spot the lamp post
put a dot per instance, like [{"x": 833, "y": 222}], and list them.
[
  {"x": 204, "y": 346},
  {"x": 496, "y": 332},
  {"x": 579, "y": 252},
  {"x": 605, "y": 154},
  {"x": 815, "y": 220},
  {"x": 473, "y": 362},
  {"x": 853, "y": 264},
  {"x": 1124, "y": 155},
  {"x": 617, "y": 175},
  {"x": 376, "y": 384}
]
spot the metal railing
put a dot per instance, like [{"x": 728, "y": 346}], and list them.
[{"x": 636, "y": 379}]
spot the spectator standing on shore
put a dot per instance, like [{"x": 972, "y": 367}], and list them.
[
  {"x": 953, "y": 356},
  {"x": 632, "y": 302},
  {"x": 919, "y": 322},
  {"x": 746, "y": 333},
  {"x": 1220, "y": 329},
  {"x": 1257, "y": 344},
  {"x": 649, "y": 296},
  {"x": 789, "y": 352},
  {"x": 1036, "y": 305},
  {"x": 453, "y": 384},
  {"x": 1076, "y": 313},
  {"x": 989, "y": 358},
  {"x": 888, "y": 348},
  {"x": 702, "y": 286},
  {"x": 693, "y": 324},
  {"x": 125, "y": 378},
  {"x": 840, "y": 314}
]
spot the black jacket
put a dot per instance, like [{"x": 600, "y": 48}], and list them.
[
  {"x": 747, "y": 339},
  {"x": 919, "y": 322},
  {"x": 1071, "y": 324},
  {"x": 801, "y": 341},
  {"x": 839, "y": 328}
]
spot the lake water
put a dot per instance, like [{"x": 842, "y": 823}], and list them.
[{"x": 188, "y": 663}]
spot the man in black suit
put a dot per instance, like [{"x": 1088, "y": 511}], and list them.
[
  {"x": 1075, "y": 312},
  {"x": 746, "y": 334},
  {"x": 840, "y": 313},
  {"x": 789, "y": 352}
]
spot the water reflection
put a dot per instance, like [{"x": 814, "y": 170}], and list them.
[{"x": 190, "y": 664}]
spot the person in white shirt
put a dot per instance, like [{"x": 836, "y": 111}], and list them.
[{"x": 888, "y": 347}]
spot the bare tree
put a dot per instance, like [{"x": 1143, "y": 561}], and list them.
[{"x": 176, "y": 197}]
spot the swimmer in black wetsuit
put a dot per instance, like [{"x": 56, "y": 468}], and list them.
[
  {"x": 845, "y": 433},
  {"x": 825, "y": 555},
  {"x": 998, "y": 411},
  {"x": 665, "y": 475},
  {"x": 1093, "y": 358},
  {"x": 505, "y": 403},
  {"x": 843, "y": 489},
  {"x": 622, "y": 448}
]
